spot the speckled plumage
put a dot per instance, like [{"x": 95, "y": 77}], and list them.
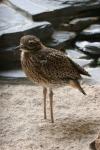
[{"x": 48, "y": 67}]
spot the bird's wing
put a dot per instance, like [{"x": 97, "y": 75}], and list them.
[
  {"x": 55, "y": 65},
  {"x": 79, "y": 68}
]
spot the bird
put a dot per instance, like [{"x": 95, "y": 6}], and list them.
[{"x": 49, "y": 68}]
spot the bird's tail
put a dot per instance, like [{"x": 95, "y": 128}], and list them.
[{"x": 76, "y": 84}]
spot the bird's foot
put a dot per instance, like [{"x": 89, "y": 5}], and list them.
[
  {"x": 52, "y": 120},
  {"x": 45, "y": 117}
]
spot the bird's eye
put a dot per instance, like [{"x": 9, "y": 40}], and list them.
[{"x": 30, "y": 43}]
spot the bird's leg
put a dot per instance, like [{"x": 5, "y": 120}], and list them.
[
  {"x": 51, "y": 104},
  {"x": 44, "y": 94}
]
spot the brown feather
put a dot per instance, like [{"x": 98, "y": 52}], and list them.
[
  {"x": 50, "y": 67},
  {"x": 80, "y": 69},
  {"x": 76, "y": 84}
]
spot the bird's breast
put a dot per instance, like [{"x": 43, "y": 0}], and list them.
[{"x": 31, "y": 67}]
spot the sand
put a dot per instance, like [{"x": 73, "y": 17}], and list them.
[{"x": 22, "y": 127}]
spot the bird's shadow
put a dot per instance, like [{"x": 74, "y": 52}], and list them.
[{"x": 72, "y": 129}]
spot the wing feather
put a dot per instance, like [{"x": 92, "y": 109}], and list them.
[{"x": 56, "y": 65}]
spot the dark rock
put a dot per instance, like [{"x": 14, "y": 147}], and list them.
[
  {"x": 9, "y": 58},
  {"x": 21, "y": 14},
  {"x": 92, "y": 33},
  {"x": 9, "y": 54},
  {"x": 91, "y": 49},
  {"x": 12, "y": 29},
  {"x": 61, "y": 40},
  {"x": 70, "y": 10},
  {"x": 9, "y": 41},
  {"x": 12, "y": 26},
  {"x": 66, "y": 27},
  {"x": 79, "y": 24},
  {"x": 78, "y": 2},
  {"x": 49, "y": 10},
  {"x": 41, "y": 30},
  {"x": 77, "y": 56}
]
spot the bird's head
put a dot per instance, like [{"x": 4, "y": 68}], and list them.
[{"x": 30, "y": 43}]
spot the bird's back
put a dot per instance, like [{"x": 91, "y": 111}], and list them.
[
  {"x": 79, "y": 68},
  {"x": 52, "y": 67},
  {"x": 60, "y": 65}
]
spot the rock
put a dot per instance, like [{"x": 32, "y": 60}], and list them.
[
  {"x": 70, "y": 9},
  {"x": 16, "y": 73},
  {"x": 92, "y": 33},
  {"x": 9, "y": 58},
  {"x": 9, "y": 41},
  {"x": 78, "y": 57},
  {"x": 12, "y": 29},
  {"x": 91, "y": 49},
  {"x": 42, "y": 30},
  {"x": 30, "y": 7},
  {"x": 79, "y": 24},
  {"x": 27, "y": 12},
  {"x": 74, "y": 54},
  {"x": 61, "y": 40},
  {"x": 49, "y": 10}
]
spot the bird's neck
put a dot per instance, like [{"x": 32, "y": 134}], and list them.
[{"x": 24, "y": 54}]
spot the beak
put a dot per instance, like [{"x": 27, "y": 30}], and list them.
[
  {"x": 16, "y": 50},
  {"x": 17, "y": 47}
]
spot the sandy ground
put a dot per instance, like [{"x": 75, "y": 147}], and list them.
[{"x": 77, "y": 118}]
